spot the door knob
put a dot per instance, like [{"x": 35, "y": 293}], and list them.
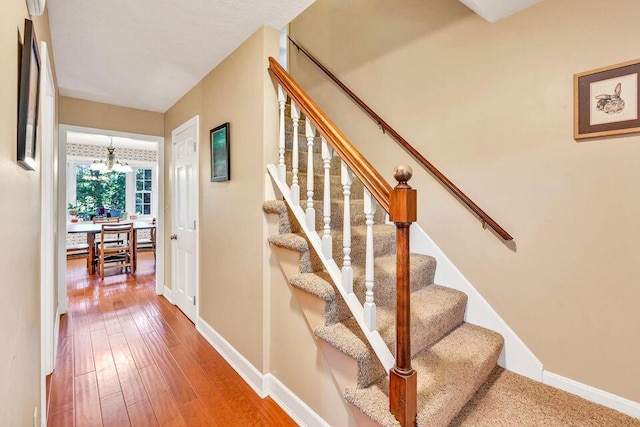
[{"x": 174, "y": 237}]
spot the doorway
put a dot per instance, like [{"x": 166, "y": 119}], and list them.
[{"x": 142, "y": 190}]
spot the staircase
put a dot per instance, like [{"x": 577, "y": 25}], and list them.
[
  {"x": 339, "y": 254},
  {"x": 452, "y": 358}
]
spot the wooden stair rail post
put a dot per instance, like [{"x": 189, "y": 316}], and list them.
[{"x": 403, "y": 380}]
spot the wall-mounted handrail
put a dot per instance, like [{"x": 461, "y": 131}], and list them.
[
  {"x": 482, "y": 216},
  {"x": 371, "y": 179}
]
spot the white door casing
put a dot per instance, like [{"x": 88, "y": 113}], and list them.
[
  {"x": 184, "y": 214},
  {"x": 48, "y": 309}
]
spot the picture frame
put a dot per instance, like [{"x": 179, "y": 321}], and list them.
[
  {"x": 607, "y": 101},
  {"x": 28, "y": 98},
  {"x": 220, "y": 153}
]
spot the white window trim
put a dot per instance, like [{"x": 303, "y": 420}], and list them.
[
  {"x": 154, "y": 190},
  {"x": 130, "y": 185}
]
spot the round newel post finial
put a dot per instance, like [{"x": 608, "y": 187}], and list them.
[{"x": 402, "y": 173}]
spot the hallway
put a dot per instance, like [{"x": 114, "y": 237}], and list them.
[{"x": 128, "y": 357}]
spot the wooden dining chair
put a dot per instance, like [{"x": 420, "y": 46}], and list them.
[
  {"x": 150, "y": 243},
  {"x": 118, "y": 253},
  {"x": 106, "y": 220}
]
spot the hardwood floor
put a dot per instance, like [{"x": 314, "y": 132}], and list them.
[{"x": 127, "y": 357}]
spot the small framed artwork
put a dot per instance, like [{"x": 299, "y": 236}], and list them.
[
  {"x": 220, "y": 165},
  {"x": 606, "y": 101},
  {"x": 28, "y": 98}
]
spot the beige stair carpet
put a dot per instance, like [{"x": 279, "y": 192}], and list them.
[{"x": 509, "y": 399}]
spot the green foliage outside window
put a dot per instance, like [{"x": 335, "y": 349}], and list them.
[{"x": 94, "y": 190}]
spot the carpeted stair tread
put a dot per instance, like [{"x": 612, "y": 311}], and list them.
[
  {"x": 318, "y": 284},
  {"x": 509, "y": 399},
  {"x": 422, "y": 272},
  {"x": 318, "y": 186},
  {"x": 309, "y": 260},
  {"x": 449, "y": 373},
  {"x": 384, "y": 243},
  {"x": 286, "y": 220},
  {"x": 347, "y": 337},
  {"x": 303, "y": 148},
  {"x": 383, "y": 236},
  {"x": 435, "y": 311},
  {"x": 318, "y": 162},
  {"x": 356, "y": 208},
  {"x": 321, "y": 285}
]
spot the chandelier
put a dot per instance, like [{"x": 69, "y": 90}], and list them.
[{"x": 111, "y": 165}]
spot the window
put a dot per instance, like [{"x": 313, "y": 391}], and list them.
[
  {"x": 120, "y": 194},
  {"x": 144, "y": 189},
  {"x": 99, "y": 194}
]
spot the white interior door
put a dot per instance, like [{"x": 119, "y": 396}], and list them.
[{"x": 185, "y": 216}]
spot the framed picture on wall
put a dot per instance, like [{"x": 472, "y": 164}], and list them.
[
  {"x": 220, "y": 164},
  {"x": 28, "y": 98},
  {"x": 607, "y": 101}
]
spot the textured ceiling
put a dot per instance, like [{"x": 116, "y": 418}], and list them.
[
  {"x": 146, "y": 54},
  {"x": 494, "y": 10}
]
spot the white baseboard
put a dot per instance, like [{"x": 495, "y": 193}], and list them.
[
  {"x": 592, "y": 394},
  {"x": 238, "y": 362},
  {"x": 168, "y": 294},
  {"x": 292, "y": 404},
  {"x": 263, "y": 384}
]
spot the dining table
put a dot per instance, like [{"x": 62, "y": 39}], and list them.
[{"x": 91, "y": 229}]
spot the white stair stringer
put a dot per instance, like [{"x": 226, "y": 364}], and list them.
[
  {"x": 373, "y": 337},
  {"x": 515, "y": 356}
]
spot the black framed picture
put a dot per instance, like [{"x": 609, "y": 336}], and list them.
[
  {"x": 220, "y": 164},
  {"x": 28, "y": 98}
]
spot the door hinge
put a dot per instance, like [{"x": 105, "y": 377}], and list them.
[
  {"x": 194, "y": 224},
  {"x": 194, "y": 300}
]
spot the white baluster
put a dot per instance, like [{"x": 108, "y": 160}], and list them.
[
  {"x": 282, "y": 168},
  {"x": 295, "y": 187},
  {"x": 369, "y": 305},
  {"x": 327, "y": 243},
  {"x": 347, "y": 273},
  {"x": 310, "y": 212}
]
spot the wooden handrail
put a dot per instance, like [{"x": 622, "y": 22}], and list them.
[
  {"x": 401, "y": 204},
  {"x": 371, "y": 179},
  {"x": 486, "y": 219}
]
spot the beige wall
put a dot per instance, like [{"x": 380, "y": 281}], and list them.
[
  {"x": 294, "y": 357},
  {"x": 492, "y": 106},
  {"x": 231, "y": 229},
  {"x": 20, "y": 260},
  {"x": 96, "y": 115}
]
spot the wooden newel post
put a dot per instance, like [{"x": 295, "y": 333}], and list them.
[{"x": 403, "y": 381}]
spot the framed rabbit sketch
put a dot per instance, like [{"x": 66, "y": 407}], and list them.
[{"x": 607, "y": 101}]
